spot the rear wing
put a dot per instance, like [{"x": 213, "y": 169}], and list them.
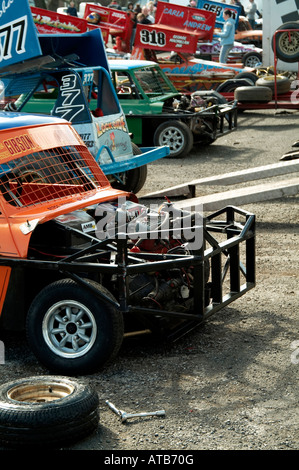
[
  {"x": 18, "y": 38},
  {"x": 47, "y": 21},
  {"x": 52, "y": 22},
  {"x": 176, "y": 28},
  {"x": 119, "y": 23},
  {"x": 116, "y": 23},
  {"x": 33, "y": 38},
  {"x": 80, "y": 50},
  {"x": 219, "y": 8}
]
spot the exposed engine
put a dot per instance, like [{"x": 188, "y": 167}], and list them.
[
  {"x": 195, "y": 102},
  {"x": 153, "y": 232},
  {"x": 189, "y": 108},
  {"x": 159, "y": 231}
]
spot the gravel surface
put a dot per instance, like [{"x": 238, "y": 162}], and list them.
[{"x": 232, "y": 383}]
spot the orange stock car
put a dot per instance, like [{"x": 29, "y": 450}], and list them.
[
  {"x": 76, "y": 269},
  {"x": 247, "y": 35}
]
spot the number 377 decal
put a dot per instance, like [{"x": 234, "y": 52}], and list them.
[{"x": 12, "y": 38}]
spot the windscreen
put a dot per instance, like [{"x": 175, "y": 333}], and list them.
[{"x": 152, "y": 81}]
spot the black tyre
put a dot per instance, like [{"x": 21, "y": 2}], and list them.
[
  {"x": 287, "y": 42},
  {"x": 46, "y": 411},
  {"x": 252, "y": 94},
  {"x": 252, "y": 59},
  {"x": 177, "y": 135},
  {"x": 212, "y": 95},
  {"x": 249, "y": 76},
  {"x": 135, "y": 179},
  {"x": 132, "y": 180},
  {"x": 72, "y": 330},
  {"x": 231, "y": 84},
  {"x": 283, "y": 84},
  {"x": 137, "y": 176}
]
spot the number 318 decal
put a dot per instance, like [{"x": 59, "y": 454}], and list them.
[
  {"x": 13, "y": 33},
  {"x": 152, "y": 37}
]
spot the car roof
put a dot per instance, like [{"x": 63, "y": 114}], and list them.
[
  {"x": 126, "y": 64},
  {"x": 10, "y": 120}
]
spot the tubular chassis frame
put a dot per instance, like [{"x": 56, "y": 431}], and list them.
[{"x": 235, "y": 234}]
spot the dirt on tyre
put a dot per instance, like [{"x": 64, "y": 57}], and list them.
[
  {"x": 73, "y": 329},
  {"x": 283, "y": 84},
  {"x": 46, "y": 411},
  {"x": 286, "y": 42},
  {"x": 253, "y": 94},
  {"x": 175, "y": 134}
]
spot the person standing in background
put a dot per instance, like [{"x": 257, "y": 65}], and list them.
[
  {"x": 239, "y": 4},
  {"x": 133, "y": 17},
  {"x": 137, "y": 8},
  {"x": 71, "y": 10},
  {"x": 147, "y": 15},
  {"x": 114, "y": 4},
  {"x": 227, "y": 36},
  {"x": 141, "y": 18},
  {"x": 151, "y": 9},
  {"x": 250, "y": 11}
]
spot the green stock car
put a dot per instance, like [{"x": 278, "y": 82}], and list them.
[{"x": 157, "y": 114}]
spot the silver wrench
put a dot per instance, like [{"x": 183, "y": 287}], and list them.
[
  {"x": 113, "y": 408},
  {"x": 124, "y": 416}
]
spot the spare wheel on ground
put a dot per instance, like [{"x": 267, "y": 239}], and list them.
[{"x": 46, "y": 411}]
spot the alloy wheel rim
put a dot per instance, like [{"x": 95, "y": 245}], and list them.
[
  {"x": 173, "y": 138},
  {"x": 69, "y": 329}
]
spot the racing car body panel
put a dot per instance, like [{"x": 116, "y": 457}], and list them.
[
  {"x": 27, "y": 150},
  {"x": 212, "y": 51}
]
